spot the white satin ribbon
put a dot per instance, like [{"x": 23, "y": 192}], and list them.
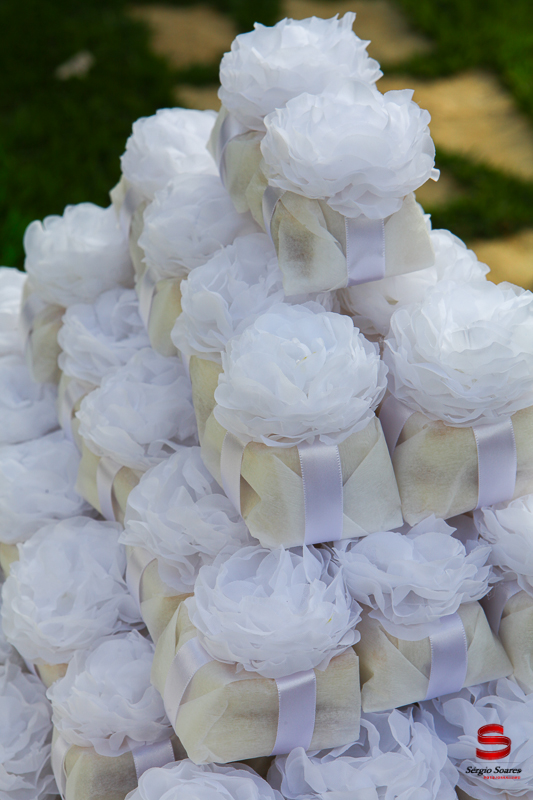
[
  {"x": 497, "y": 462},
  {"x": 187, "y": 661},
  {"x": 139, "y": 560},
  {"x": 230, "y": 467},
  {"x": 30, "y": 309},
  {"x": 230, "y": 129},
  {"x": 393, "y": 415},
  {"x": 147, "y": 756},
  {"x": 449, "y": 657},
  {"x": 106, "y": 472},
  {"x": 323, "y": 492},
  {"x": 272, "y": 195},
  {"x": 365, "y": 250},
  {"x": 132, "y": 199},
  {"x": 74, "y": 392},
  {"x": 495, "y": 601},
  {"x": 146, "y": 292},
  {"x": 31, "y": 668},
  {"x": 60, "y": 748}
]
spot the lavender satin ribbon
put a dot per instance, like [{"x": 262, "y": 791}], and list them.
[
  {"x": 187, "y": 661},
  {"x": 106, "y": 472},
  {"x": 230, "y": 129},
  {"x": 60, "y": 748},
  {"x": 323, "y": 492},
  {"x": 230, "y": 467},
  {"x": 74, "y": 392},
  {"x": 393, "y": 415},
  {"x": 497, "y": 462},
  {"x": 146, "y": 296},
  {"x": 449, "y": 657},
  {"x": 147, "y": 756},
  {"x": 138, "y": 562},
  {"x": 495, "y": 601},
  {"x": 365, "y": 250},
  {"x": 272, "y": 195}
]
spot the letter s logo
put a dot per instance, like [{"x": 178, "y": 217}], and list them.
[{"x": 484, "y": 737}]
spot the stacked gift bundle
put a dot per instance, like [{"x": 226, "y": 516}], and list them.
[{"x": 266, "y": 463}]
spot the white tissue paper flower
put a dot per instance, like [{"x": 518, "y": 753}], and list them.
[
  {"x": 268, "y": 66},
  {"x": 275, "y": 612},
  {"x": 187, "y": 781},
  {"x": 25, "y": 737},
  {"x": 179, "y": 514},
  {"x": 458, "y": 718},
  {"x": 413, "y": 578},
  {"x": 37, "y": 486},
  {"x": 96, "y": 338},
  {"x": 76, "y": 257},
  {"x": 295, "y": 374},
  {"x": 508, "y": 528},
  {"x": 395, "y": 758},
  {"x": 372, "y": 304},
  {"x": 106, "y": 700},
  {"x": 187, "y": 222},
  {"x": 27, "y": 409},
  {"x": 170, "y": 142},
  {"x": 141, "y": 411},
  {"x": 67, "y": 591},
  {"x": 464, "y": 354},
  {"x": 11, "y": 286},
  {"x": 357, "y": 149}
]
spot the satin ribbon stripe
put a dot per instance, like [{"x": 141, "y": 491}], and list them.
[
  {"x": 147, "y": 756},
  {"x": 146, "y": 291},
  {"x": 60, "y": 748},
  {"x": 497, "y": 462},
  {"x": 230, "y": 467},
  {"x": 449, "y": 657},
  {"x": 271, "y": 197},
  {"x": 297, "y": 710},
  {"x": 393, "y": 415},
  {"x": 106, "y": 472},
  {"x": 74, "y": 392},
  {"x": 230, "y": 129},
  {"x": 365, "y": 250},
  {"x": 186, "y": 663},
  {"x": 495, "y": 601},
  {"x": 138, "y": 562},
  {"x": 323, "y": 492}
]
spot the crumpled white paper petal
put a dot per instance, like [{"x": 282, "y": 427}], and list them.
[
  {"x": 359, "y": 150},
  {"x": 106, "y": 699},
  {"x": 67, "y": 591},
  {"x": 37, "y": 480},
  {"x": 11, "y": 286},
  {"x": 187, "y": 781},
  {"x": 295, "y": 374},
  {"x": 25, "y": 737},
  {"x": 170, "y": 142},
  {"x": 99, "y": 337},
  {"x": 187, "y": 222},
  {"x": 464, "y": 354},
  {"x": 140, "y": 412},
  {"x": 179, "y": 514},
  {"x": 76, "y": 257},
  {"x": 268, "y": 66},
  {"x": 414, "y": 578},
  {"x": 275, "y": 612},
  {"x": 396, "y": 757},
  {"x": 27, "y": 409}
]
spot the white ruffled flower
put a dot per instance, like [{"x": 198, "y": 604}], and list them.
[
  {"x": 67, "y": 591},
  {"x": 96, "y": 338},
  {"x": 187, "y": 781},
  {"x": 170, "y": 142},
  {"x": 396, "y": 757},
  {"x": 37, "y": 486},
  {"x": 411, "y": 579},
  {"x": 296, "y": 374},
  {"x": 106, "y": 700},
  {"x": 268, "y": 66},
  {"x": 275, "y": 612},
  {"x": 76, "y": 257},
  {"x": 140, "y": 412},
  {"x": 463, "y": 355},
  {"x": 27, "y": 409},
  {"x": 179, "y": 514},
  {"x": 372, "y": 304},
  {"x": 358, "y": 149},
  {"x": 25, "y": 737},
  {"x": 187, "y": 223},
  {"x": 11, "y": 286}
]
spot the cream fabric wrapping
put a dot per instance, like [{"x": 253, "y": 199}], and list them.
[
  {"x": 204, "y": 380},
  {"x": 516, "y": 634},
  {"x": 395, "y": 672},
  {"x": 86, "y": 486},
  {"x": 231, "y": 716},
  {"x": 42, "y": 349},
  {"x": 309, "y": 236},
  {"x": 64, "y": 383},
  {"x": 8, "y": 554},
  {"x": 166, "y": 308},
  {"x": 436, "y": 466}
]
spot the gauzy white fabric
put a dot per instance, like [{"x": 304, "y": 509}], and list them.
[
  {"x": 141, "y": 411},
  {"x": 268, "y": 66},
  {"x": 275, "y": 612},
  {"x": 181, "y": 516},
  {"x": 96, "y": 338},
  {"x": 106, "y": 699},
  {"x": 464, "y": 354},
  {"x": 372, "y": 304},
  {"x": 25, "y": 737},
  {"x": 411, "y": 579},
  {"x": 76, "y": 257},
  {"x": 295, "y": 374},
  {"x": 67, "y": 591},
  {"x": 395, "y": 758},
  {"x": 359, "y": 150},
  {"x": 187, "y": 222},
  {"x": 37, "y": 480},
  {"x": 187, "y": 781},
  {"x": 11, "y": 285},
  {"x": 165, "y": 145},
  {"x": 27, "y": 409}
]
